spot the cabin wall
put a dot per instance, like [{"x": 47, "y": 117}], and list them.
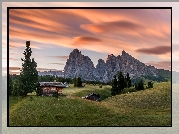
[
  {"x": 48, "y": 90},
  {"x": 59, "y": 90}
]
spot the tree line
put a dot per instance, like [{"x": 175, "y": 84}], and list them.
[{"x": 120, "y": 82}]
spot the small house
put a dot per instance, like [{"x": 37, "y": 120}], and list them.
[
  {"x": 49, "y": 88},
  {"x": 92, "y": 96}
]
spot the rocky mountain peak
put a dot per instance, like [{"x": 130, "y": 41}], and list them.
[
  {"x": 125, "y": 54},
  {"x": 111, "y": 56},
  {"x": 100, "y": 61},
  {"x": 81, "y": 66},
  {"x": 100, "y": 68},
  {"x": 76, "y": 51}
]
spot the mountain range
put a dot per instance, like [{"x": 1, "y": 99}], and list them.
[{"x": 78, "y": 65}]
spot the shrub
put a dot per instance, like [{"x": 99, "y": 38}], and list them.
[
  {"x": 140, "y": 85},
  {"x": 150, "y": 84}
]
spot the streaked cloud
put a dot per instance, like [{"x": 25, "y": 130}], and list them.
[
  {"x": 99, "y": 30},
  {"x": 12, "y": 46},
  {"x": 60, "y": 57},
  {"x": 14, "y": 68},
  {"x": 155, "y": 50},
  {"x": 119, "y": 26},
  {"x": 13, "y": 59},
  {"x": 161, "y": 64},
  {"x": 85, "y": 39},
  {"x": 57, "y": 63},
  {"x": 46, "y": 69},
  {"x": 13, "y": 53}
]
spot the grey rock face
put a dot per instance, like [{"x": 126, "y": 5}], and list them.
[
  {"x": 110, "y": 68},
  {"x": 81, "y": 66},
  {"x": 127, "y": 64},
  {"x": 100, "y": 69}
]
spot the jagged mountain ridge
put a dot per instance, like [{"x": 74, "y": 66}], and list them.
[{"x": 79, "y": 65}]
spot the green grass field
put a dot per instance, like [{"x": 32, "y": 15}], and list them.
[{"x": 150, "y": 107}]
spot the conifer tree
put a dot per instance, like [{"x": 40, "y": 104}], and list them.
[
  {"x": 79, "y": 82},
  {"x": 75, "y": 82},
  {"x": 128, "y": 81},
  {"x": 140, "y": 85},
  {"x": 114, "y": 86},
  {"x": 150, "y": 84},
  {"x": 121, "y": 82},
  {"x": 29, "y": 74}
]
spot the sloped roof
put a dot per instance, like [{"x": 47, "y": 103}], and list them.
[{"x": 56, "y": 84}]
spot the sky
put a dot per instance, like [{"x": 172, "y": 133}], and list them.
[{"x": 54, "y": 33}]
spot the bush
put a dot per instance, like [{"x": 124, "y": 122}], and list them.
[
  {"x": 140, "y": 85},
  {"x": 150, "y": 84}
]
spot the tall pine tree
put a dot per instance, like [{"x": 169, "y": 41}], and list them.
[
  {"x": 79, "y": 82},
  {"x": 128, "y": 81},
  {"x": 114, "y": 86},
  {"x": 121, "y": 82},
  {"x": 29, "y": 74}
]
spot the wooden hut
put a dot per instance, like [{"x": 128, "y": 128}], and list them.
[{"x": 49, "y": 88}]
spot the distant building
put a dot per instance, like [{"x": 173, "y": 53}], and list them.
[{"x": 51, "y": 73}]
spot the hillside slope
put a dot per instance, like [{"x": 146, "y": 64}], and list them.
[{"x": 151, "y": 107}]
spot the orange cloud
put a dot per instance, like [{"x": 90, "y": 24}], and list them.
[
  {"x": 99, "y": 30},
  {"x": 13, "y": 59},
  {"x": 17, "y": 44},
  {"x": 86, "y": 39},
  {"x": 161, "y": 65},
  {"x": 46, "y": 69},
  {"x": 64, "y": 58},
  {"x": 119, "y": 26},
  {"x": 57, "y": 63},
  {"x": 155, "y": 50}
]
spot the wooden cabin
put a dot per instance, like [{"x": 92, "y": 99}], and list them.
[{"x": 49, "y": 88}]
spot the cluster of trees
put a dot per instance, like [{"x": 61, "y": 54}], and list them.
[
  {"x": 150, "y": 84},
  {"x": 49, "y": 78},
  {"x": 119, "y": 83},
  {"x": 27, "y": 81},
  {"x": 96, "y": 82},
  {"x": 139, "y": 85},
  {"x": 13, "y": 85},
  {"x": 77, "y": 82}
]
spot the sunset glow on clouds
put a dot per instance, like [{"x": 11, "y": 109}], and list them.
[{"x": 54, "y": 33}]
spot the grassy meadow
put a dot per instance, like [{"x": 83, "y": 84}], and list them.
[{"x": 149, "y": 107}]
